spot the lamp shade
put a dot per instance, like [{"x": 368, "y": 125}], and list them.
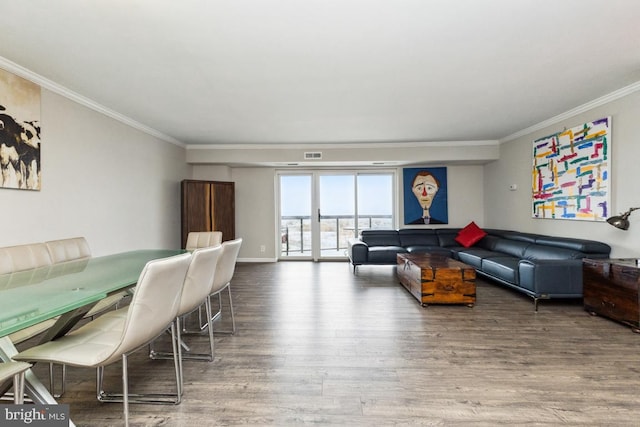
[{"x": 621, "y": 221}]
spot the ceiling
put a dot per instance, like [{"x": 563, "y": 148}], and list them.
[{"x": 328, "y": 71}]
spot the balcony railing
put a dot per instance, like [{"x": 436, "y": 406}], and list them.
[{"x": 335, "y": 230}]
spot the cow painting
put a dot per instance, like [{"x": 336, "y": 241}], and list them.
[{"x": 19, "y": 152}]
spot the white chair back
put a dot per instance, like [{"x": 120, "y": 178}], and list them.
[
  {"x": 203, "y": 239},
  {"x": 197, "y": 284},
  {"x": 23, "y": 257},
  {"x": 226, "y": 264},
  {"x": 68, "y": 249},
  {"x": 154, "y": 304}
]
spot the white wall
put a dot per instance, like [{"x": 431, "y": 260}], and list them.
[
  {"x": 256, "y": 203},
  {"x": 255, "y": 206},
  {"x": 212, "y": 173},
  {"x": 101, "y": 179},
  {"x": 512, "y": 209},
  {"x": 256, "y": 212}
]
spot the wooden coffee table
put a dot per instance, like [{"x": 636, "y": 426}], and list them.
[{"x": 437, "y": 279}]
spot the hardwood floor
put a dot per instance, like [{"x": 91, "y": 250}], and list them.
[{"x": 319, "y": 345}]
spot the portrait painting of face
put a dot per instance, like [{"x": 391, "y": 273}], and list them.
[{"x": 425, "y": 196}]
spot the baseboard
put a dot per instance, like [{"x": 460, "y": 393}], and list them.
[{"x": 257, "y": 260}]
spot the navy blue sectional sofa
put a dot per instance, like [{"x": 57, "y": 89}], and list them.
[{"x": 540, "y": 266}]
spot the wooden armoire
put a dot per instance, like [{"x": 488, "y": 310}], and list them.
[{"x": 208, "y": 206}]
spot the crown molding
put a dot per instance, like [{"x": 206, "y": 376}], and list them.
[
  {"x": 348, "y": 145},
  {"x": 18, "y": 70},
  {"x": 620, "y": 93}
]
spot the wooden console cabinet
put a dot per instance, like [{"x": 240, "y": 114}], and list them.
[
  {"x": 208, "y": 206},
  {"x": 610, "y": 289}
]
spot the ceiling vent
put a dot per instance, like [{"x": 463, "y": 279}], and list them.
[{"x": 312, "y": 155}]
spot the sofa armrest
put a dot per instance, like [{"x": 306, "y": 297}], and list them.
[
  {"x": 358, "y": 251},
  {"x": 559, "y": 277}
]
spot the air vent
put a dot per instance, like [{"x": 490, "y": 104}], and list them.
[{"x": 312, "y": 155}]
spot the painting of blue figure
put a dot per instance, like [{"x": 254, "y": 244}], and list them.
[{"x": 425, "y": 195}]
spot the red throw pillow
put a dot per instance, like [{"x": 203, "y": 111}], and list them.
[{"x": 470, "y": 235}]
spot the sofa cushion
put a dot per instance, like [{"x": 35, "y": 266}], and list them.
[
  {"x": 498, "y": 232},
  {"x": 384, "y": 254},
  {"x": 502, "y": 267},
  {"x": 381, "y": 237},
  {"x": 447, "y": 236},
  {"x": 415, "y": 237},
  {"x": 511, "y": 247},
  {"x": 523, "y": 237},
  {"x": 470, "y": 235},
  {"x": 487, "y": 242},
  {"x": 474, "y": 256},
  {"x": 587, "y": 246},
  {"x": 535, "y": 252}
]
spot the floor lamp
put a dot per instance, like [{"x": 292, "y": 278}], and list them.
[{"x": 621, "y": 221}]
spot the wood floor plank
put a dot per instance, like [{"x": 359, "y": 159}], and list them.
[{"x": 317, "y": 344}]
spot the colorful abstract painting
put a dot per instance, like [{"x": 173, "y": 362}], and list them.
[
  {"x": 19, "y": 133},
  {"x": 571, "y": 173}
]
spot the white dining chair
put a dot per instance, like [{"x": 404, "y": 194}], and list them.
[
  {"x": 77, "y": 248},
  {"x": 203, "y": 239},
  {"x": 16, "y": 371},
  {"x": 222, "y": 280},
  {"x": 14, "y": 259},
  {"x": 63, "y": 250},
  {"x": 23, "y": 257},
  {"x": 115, "y": 335},
  {"x": 196, "y": 289}
]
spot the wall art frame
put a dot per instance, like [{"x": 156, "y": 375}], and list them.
[
  {"x": 571, "y": 173},
  {"x": 20, "y": 165},
  {"x": 425, "y": 195}
]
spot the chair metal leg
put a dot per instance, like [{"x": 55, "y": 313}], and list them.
[
  {"x": 99, "y": 380},
  {"x": 202, "y": 324},
  {"x": 177, "y": 360},
  {"x": 150, "y": 398},
  {"x": 190, "y": 356},
  {"x": 64, "y": 380},
  {"x": 233, "y": 318},
  {"x": 153, "y": 354},
  {"x": 125, "y": 390},
  {"x": 52, "y": 381},
  {"x": 211, "y": 317},
  {"x": 206, "y": 324},
  {"x": 207, "y": 304},
  {"x": 18, "y": 388}
]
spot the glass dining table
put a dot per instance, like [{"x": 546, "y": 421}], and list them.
[{"x": 65, "y": 292}]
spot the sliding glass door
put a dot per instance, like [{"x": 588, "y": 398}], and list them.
[
  {"x": 375, "y": 201},
  {"x": 320, "y": 211},
  {"x": 336, "y": 213},
  {"x": 295, "y": 215}
]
